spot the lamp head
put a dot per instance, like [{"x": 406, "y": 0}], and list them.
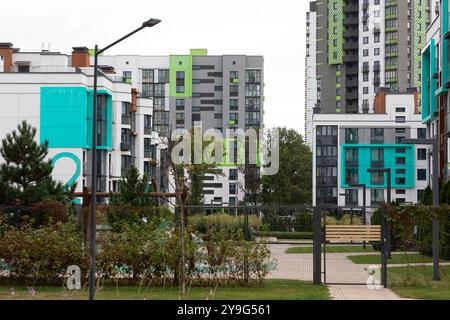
[{"x": 151, "y": 23}]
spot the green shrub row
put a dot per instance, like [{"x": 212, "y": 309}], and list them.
[{"x": 136, "y": 254}]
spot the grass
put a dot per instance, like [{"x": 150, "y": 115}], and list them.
[
  {"x": 273, "y": 290},
  {"x": 395, "y": 259},
  {"x": 332, "y": 249},
  {"x": 416, "y": 283}
]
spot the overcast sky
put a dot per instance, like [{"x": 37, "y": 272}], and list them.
[{"x": 274, "y": 29}]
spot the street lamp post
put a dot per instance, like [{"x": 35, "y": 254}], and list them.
[
  {"x": 92, "y": 243},
  {"x": 364, "y": 187},
  {"x": 386, "y": 232},
  {"x": 435, "y": 187}
]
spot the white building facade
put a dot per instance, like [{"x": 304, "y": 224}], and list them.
[{"x": 54, "y": 93}]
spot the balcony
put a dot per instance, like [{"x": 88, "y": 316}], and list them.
[
  {"x": 351, "y": 8},
  {"x": 351, "y": 45},
  {"x": 351, "y": 58},
  {"x": 351, "y": 95}
]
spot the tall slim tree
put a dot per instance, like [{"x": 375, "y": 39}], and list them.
[{"x": 25, "y": 176}]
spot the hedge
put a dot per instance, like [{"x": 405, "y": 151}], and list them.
[{"x": 285, "y": 235}]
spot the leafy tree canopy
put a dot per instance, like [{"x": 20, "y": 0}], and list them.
[{"x": 293, "y": 182}]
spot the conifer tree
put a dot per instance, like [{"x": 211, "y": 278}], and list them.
[{"x": 25, "y": 175}]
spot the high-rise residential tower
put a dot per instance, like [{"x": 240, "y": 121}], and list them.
[
  {"x": 365, "y": 45},
  {"x": 365, "y": 49}
]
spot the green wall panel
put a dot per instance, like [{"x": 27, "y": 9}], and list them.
[
  {"x": 181, "y": 63},
  {"x": 335, "y": 31}
]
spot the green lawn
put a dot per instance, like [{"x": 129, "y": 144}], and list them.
[
  {"x": 273, "y": 290},
  {"x": 332, "y": 249},
  {"x": 395, "y": 259},
  {"x": 415, "y": 283}
]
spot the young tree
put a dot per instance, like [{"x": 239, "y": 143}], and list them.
[
  {"x": 25, "y": 176},
  {"x": 293, "y": 182}
]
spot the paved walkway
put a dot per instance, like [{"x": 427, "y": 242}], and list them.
[
  {"x": 349, "y": 292},
  {"x": 339, "y": 270}
]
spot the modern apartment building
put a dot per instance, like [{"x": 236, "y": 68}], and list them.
[
  {"x": 310, "y": 71},
  {"x": 54, "y": 93},
  {"x": 345, "y": 146},
  {"x": 221, "y": 92},
  {"x": 436, "y": 82},
  {"x": 364, "y": 45}
]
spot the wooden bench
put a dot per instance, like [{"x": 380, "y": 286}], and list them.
[{"x": 350, "y": 233}]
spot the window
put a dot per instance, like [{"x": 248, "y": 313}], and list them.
[
  {"x": 234, "y": 104},
  {"x": 253, "y": 76},
  {"x": 180, "y": 82},
  {"x": 233, "y": 175},
  {"x": 400, "y": 180},
  {"x": 351, "y": 155},
  {"x": 234, "y": 90},
  {"x": 378, "y": 157},
  {"x": 126, "y": 76},
  {"x": 422, "y": 133},
  {"x": 180, "y": 104},
  {"x": 234, "y": 75},
  {"x": 179, "y": 118},
  {"x": 401, "y": 119},
  {"x": 163, "y": 76},
  {"x": 147, "y": 124},
  {"x": 400, "y": 160},
  {"x": 421, "y": 154},
  {"x": 377, "y": 136},
  {"x": 24, "y": 69},
  {"x": 351, "y": 176},
  {"x": 377, "y": 178},
  {"x": 377, "y": 197},
  {"x": 232, "y": 188},
  {"x": 234, "y": 117},
  {"x": 148, "y": 76},
  {"x": 422, "y": 174},
  {"x": 351, "y": 197},
  {"x": 351, "y": 135}
]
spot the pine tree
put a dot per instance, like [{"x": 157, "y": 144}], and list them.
[
  {"x": 133, "y": 190},
  {"x": 25, "y": 175}
]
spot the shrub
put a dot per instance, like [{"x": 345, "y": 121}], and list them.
[
  {"x": 42, "y": 255},
  {"x": 296, "y": 222},
  {"x": 204, "y": 223}
]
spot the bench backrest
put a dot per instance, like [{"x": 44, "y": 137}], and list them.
[{"x": 339, "y": 233}]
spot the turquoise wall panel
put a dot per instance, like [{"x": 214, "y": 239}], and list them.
[
  {"x": 63, "y": 116},
  {"x": 66, "y": 117},
  {"x": 390, "y": 155}
]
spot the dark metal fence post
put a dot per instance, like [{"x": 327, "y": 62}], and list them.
[
  {"x": 383, "y": 246},
  {"x": 317, "y": 261}
]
